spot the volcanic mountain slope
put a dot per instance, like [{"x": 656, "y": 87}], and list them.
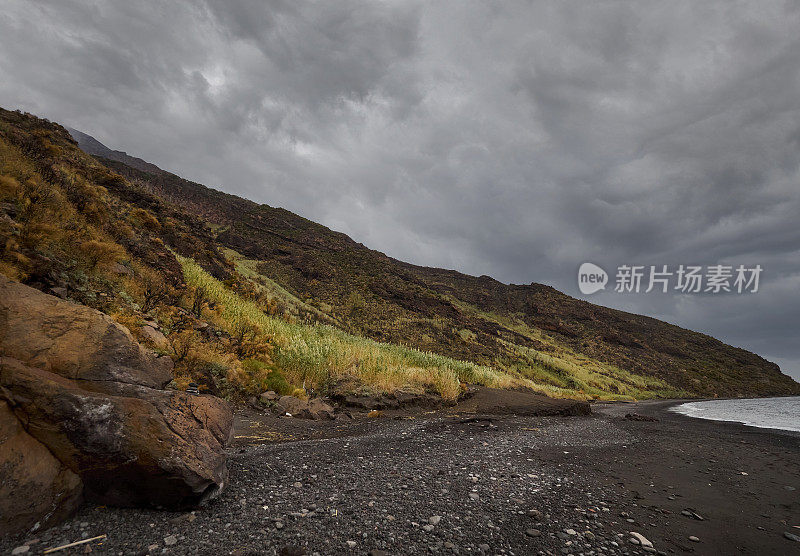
[
  {"x": 247, "y": 296},
  {"x": 533, "y": 329}
]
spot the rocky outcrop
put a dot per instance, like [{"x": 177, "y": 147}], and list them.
[
  {"x": 83, "y": 409},
  {"x": 399, "y": 399}
]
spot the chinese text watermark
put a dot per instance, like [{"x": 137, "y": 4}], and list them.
[{"x": 716, "y": 278}]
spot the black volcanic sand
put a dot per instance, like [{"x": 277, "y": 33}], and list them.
[{"x": 361, "y": 485}]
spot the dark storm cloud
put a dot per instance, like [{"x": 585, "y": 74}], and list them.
[{"x": 515, "y": 140}]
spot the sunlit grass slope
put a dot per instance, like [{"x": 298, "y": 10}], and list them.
[{"x": 316, "y": 353}]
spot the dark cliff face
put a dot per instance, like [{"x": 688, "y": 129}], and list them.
[{"x": 389, "y": 300}]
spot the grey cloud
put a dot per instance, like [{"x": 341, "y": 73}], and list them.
[{"x": 515, "y": 140}]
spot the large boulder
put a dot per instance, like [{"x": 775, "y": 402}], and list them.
[
  {"x": 74, "y": 341},
  {"x": 82, "y": 408}
]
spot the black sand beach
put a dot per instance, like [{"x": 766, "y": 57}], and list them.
[{"x": 437, "y": 483}]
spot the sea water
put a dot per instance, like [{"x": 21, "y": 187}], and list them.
[{"x": 767, "y": 413}]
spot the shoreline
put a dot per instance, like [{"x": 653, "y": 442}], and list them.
[
  {"x": 499, "y": 484},
  {"x": 763, "y": 427},
  {"x": 668, "y": 405}
]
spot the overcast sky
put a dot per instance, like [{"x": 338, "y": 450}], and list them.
[{"x": 514, "y": 139}]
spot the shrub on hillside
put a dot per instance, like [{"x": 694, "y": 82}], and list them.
[
  {"x": 145, "y": 219},
  {"x": 267, "y": 378},
  {"x": 9, "y": 187},
  {"x": 98, "y": 252}
]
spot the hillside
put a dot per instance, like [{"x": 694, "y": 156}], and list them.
[{"x": 249, "y": 296}]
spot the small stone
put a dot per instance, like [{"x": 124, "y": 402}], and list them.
[
  {"x": 484, "y": 547},
  {"x": 633, "y": 540},
  {"x": 535, "y": 514},
  {"x": 428, "y": 528},
  {"x": 694, "y": 539},
  {"x": 473, "y": 496},
  {"x": 351, "y": 544},
  {"x": 571, "y": 532},
  {"x": 533, "y": 532},
  {"x": 171, "y": 540},
  {"x": 588, "y": 535},
  {"x": 434, "y": 520},
  {"x": 21, "y": 550},
  {"x": 152, "y": 548},
  {"x": 791, "y": 536},
  {"x": 693, "y": 514},
  {"x": 298, "y": 484},
  {"x": 640, "y": 539}
]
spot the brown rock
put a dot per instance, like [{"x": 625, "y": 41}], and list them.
[
  {"x": 319, "y": 409},
  {"x": 129, "y": 451},
  {"x": 94, "y": 410},
  {"x": 312, "y": 409},
  {"x": 269, "y": 397},
  {"x": 154, "y": 336},
  {"x": 72, "y": 340},
  {"x": 36, "y": 489}
]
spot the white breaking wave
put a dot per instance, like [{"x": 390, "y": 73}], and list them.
[{"x": 767, "y": 413}]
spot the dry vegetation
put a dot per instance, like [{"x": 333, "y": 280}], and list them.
[{"x": 319, "y": 355}]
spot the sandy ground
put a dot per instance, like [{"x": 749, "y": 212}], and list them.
[{"x": 444, "y": 483}]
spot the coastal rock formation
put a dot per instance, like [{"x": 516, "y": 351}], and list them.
[{"x": 82, "y": 407}]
